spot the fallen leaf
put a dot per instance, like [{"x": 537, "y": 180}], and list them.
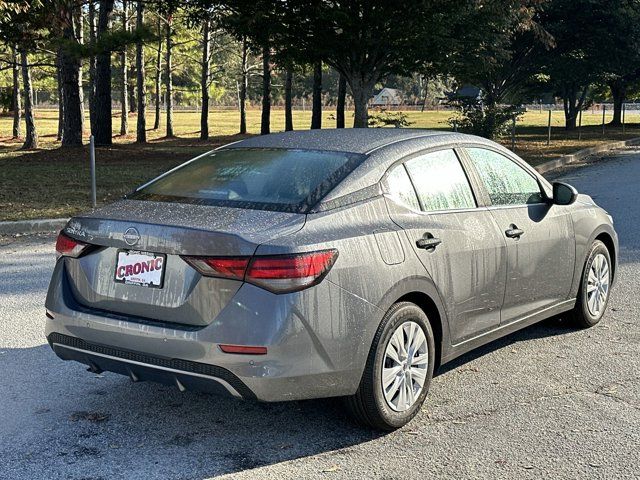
[{"x": 332, "y": 468}]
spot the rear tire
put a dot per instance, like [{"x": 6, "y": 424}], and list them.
[
  {"x": 595, "y": 284},
  {"x": 396, "y": 378}
]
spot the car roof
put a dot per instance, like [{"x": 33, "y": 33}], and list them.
[
  {"x": 351, "y": 140},
  {"x": 382, "y": 147}
]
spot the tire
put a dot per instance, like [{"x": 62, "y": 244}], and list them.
[
  {"x": 370, "y": 406},
  {"x": 585, "y": 314}
]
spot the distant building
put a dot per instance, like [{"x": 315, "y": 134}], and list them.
[
  {"x": 387, "y": 97},
  {"x": 466, "y": 91}
]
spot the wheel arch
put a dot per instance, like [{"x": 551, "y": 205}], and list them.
[
  {"x": 608, "y": 241},
  {"x": 429, "y": 307},
  {"x": 422, "y": 292},
  {"x": 588, "y": 228}
]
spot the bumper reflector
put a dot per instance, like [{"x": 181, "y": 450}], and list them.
[{"x": 247, "y": 350}]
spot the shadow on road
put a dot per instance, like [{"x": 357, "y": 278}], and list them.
[
  {"x": 131, "y": 427},
  {"x": 550, "y": 327},
  {"x": 72, "y": 419}
]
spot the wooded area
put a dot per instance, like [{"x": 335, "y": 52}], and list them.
[{"x": 128, "y": 54}]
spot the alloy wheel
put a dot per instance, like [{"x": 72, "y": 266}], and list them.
[
  {"x": 598, "y": 285},
  {"x": 405, "y": 366}
]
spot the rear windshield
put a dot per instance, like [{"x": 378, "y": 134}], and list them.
[{"x": 267, "y": 179}]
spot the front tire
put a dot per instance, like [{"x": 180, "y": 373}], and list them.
[
  {"x": 593, "y": 295},
  {"x": 398, "y": 372}
]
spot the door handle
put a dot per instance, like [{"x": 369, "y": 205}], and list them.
[
  {"x": 514, "y": 232},
  {"x": 428, "y": 242}
]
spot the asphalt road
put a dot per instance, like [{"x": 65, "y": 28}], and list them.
[{"x": 549, "y": 401}]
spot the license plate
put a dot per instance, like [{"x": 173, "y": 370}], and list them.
[{"x": 140, "y": 268}]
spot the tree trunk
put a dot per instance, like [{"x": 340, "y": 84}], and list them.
[
  {"x": 141, "y": 126},
  {"x": 124, "y": 70},
  {"x": 70, "y": 75},
  {"x": 72, "y": 111},
  {"x": 169, "y": 79},
  {"x": 288, "y": 94},
  {"x": 361, "y": 90},
  {"x": 16, "y": 103},
  {"x": 131, "y": 88},
  {"x": 158, "y": 80},
  {"x": 31, "y": 137},
  {"x": 619, "y": 94},
  {"x": 425, "y": 88},
  {"x": 204, "y": 80},
  {"x": 60, "y": 91},
  {"x": 265, "y": 126},
  {"x": 573, "y": 100},
  {"x": 243, "y": 87},
  {"x": 92, "y": 67},
  {"x": 103, "y": 80},
  {"x": 342, "y": 96},
  {"x": 316, "y": 111},
  {"x": 79, "y": 34}
]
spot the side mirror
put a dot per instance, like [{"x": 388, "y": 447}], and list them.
[{"x": 564, "y": 194}]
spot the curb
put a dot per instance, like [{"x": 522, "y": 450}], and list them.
[
  {"x": 33, "y": 226},
  {"x": 581, "y": 154}
]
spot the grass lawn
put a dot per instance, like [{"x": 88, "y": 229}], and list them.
[{"x": 53, "y": 182}]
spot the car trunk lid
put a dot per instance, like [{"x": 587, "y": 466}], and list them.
[{"x": 167, "y": 230}]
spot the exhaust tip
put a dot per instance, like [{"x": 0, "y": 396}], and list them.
[{"x": 93, "y": 368}]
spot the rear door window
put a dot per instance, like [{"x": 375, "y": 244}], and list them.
[
  {"x": 273, "y": 179},
  {"x": 440, "y": 181}
]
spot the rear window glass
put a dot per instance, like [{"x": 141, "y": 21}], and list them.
[{"x": 270, "y": 179}]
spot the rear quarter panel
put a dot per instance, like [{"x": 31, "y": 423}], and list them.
[{"x": 374, "y": 268}]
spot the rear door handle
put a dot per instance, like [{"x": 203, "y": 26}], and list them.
[
  {"x": 514, "y": 232},
  {"x": 428, "y": 243}
]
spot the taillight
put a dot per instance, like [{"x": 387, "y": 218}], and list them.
[
  {"x": 68, "y": 247},
  {"x": 276, "y": 273},
  {"x": 224, "y": 267},
  {"x": 291, "y": 272}
]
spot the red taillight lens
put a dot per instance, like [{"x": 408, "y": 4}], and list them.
[
  {"x": 68, "y": 247},
  {"x": 291, "y": 272},
  {"x": 277, "y": 273},
  {"x": 225, "y": 267}
]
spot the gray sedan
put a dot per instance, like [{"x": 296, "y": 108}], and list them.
[{"x": 326, "y": 263}]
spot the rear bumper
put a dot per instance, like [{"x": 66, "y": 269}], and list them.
[
  {"x": 141, "y": 367},
  {"x": 306, "y": 352}
]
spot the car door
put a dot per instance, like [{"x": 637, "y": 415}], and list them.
[
  {"x": 430, "y": 197},
  {"x": 539, "y": 235}
]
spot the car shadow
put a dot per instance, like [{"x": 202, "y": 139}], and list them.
[
  {"x": 84, "y": 425},
  {"x": 553, "y": 326},
  {"x": 87, "y": 416}
]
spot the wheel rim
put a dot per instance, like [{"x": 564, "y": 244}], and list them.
[
  {"x": 404, "y": 370},
  {"x": 598, "y": 285}
]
